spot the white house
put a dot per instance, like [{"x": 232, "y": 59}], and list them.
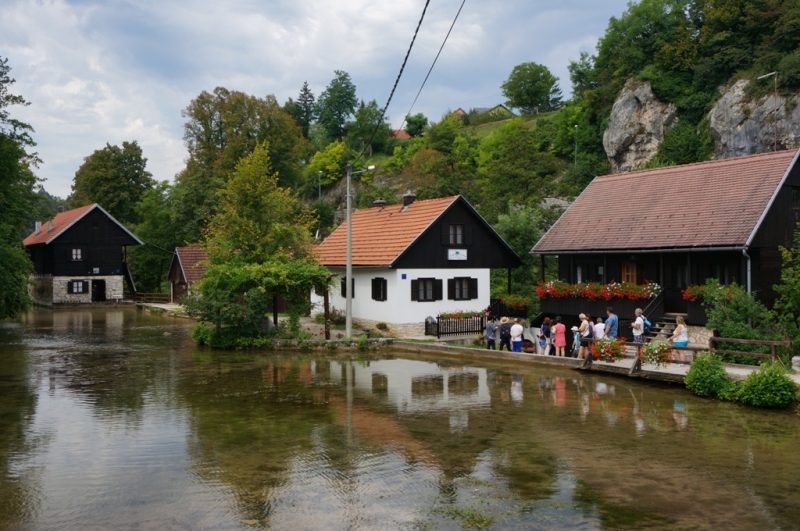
[{"x": 415, "y": 260}]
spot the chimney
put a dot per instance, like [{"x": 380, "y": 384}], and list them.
[
  {"x": 61, "y": 208},
  {"x": 50, "y": 225},
  {"x": 408, "y": 198},
  {"x": 38, "y": 228},
  {"x": 380, "y": 202}
]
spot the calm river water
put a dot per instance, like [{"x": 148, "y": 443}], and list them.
[{"x": 113, "y": 419}]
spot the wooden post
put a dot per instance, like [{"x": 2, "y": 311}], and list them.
[
  {"x": 541, "y": 258},
  {"x": 327, "y": 314},
  {"x": 275, "y": 309},
  {"x": 509, "y": 281}
]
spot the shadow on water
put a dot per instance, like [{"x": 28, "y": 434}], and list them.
[{"x": 170, "y": 435}]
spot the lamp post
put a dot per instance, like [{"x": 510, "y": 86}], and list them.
[
  {"x": 319, "y": 185},
  {"x": 774, "y": 76},
  {"x": 576, "y": 147},
  {"x": 348, "y": 274}
]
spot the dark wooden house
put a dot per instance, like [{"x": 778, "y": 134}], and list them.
[
  {"x": 678, "y": 226},
  {"x": 187, "y": 267},
  {"x": 79, "y": 257}
]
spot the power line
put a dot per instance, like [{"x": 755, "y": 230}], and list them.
[
  {"x": 402, "y": 67},
  {"x": 433, "y": 64}
]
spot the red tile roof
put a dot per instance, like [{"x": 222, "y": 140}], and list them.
[
  {"x": 380, "y": 235},
  {"x": 708, "y": 204},
  {"x": 190, "y": 259},
  {"x": 62, "y": 221},
  {"x": 400, "y": 134}
]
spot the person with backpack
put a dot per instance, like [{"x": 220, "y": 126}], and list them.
[
  {"x": 544, "y": 337},
  {"x": 586, "y": 331},
  {"x": 505, "y": 334}
]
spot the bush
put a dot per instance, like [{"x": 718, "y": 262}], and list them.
[
  {"x": 362, "y": 342},
  {"x": 770, "y": 386},
  {"x": 707, "y": 377},
  {"x": 201, "y": 334},
  {"x": 382, "y": 326}
]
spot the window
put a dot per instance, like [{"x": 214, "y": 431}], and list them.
[
  {"x": 462, "y": 289},
  {"x": 352, "y": 287},
  {"x": 456, "y": 234},
  {"x": 579, "y": 274},
  {"x": 379, "y": 289},
  {"x": 77, "y": 255},
  {"x": 426, "y": 289},
  {"x": 77, "y": 286},
  {"x": 629, "y": 272}
]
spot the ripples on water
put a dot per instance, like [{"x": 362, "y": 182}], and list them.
[{"x": 114, "y": 420}]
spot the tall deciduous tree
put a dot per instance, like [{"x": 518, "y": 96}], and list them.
[
  {"x": 149, "y": 262},
  {"x": 532, "y": 88},
  {"x": 416, "y": 124},
  {"x": 221, "y": 128},
  {"x": 17, "y": 199},
  {"x": 258, "y": 219},
  {"x": 359, "y": 131},
  {"x": 336, "y": 105},
  {"x": 115, "y": 177}
]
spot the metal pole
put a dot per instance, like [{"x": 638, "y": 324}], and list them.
[
  {"x": 576, "y": 147},
  {"x": 775, "y": 118},
  {"x": 319, "y": 185},
  {"x": 348, "y": 281}
]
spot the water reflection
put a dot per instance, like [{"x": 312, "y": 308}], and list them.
[{"x": 118, "y": 420}]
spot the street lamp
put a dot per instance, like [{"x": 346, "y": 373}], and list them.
[
  {"x": 576, "y": 147},
  {"x": 319, "y": 185},
  {"x": 348, "y": 274},
  {"x": 774, "y": 76}
]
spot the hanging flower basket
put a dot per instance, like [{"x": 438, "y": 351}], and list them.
[
  {"x": 657, "y": 352},
  {"x": 609, "y": 350}
]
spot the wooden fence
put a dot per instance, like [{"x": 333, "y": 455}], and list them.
[
  {"x": 455, "y": 327},
  {"x": 153, "y": 298}
]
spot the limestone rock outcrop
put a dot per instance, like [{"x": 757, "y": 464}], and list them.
[
  {"x": 741, "y": 125},
  {"x": 636, "y": 127}
]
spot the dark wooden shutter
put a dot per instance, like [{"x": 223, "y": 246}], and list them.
[
  {"x": 415, "y": 290},
  {"x": 445, "y": 234},
  {"x": 467, "y": 234},
  {"x": 473, "y": 288},
  {"x": 344, "y": 287},
  {"x": 86, "y": 286},
  {"x": 451, "y": 289},
  {"x": 384, "y": 289},
  {"x": 353, "y": 288},
  {"x": 70, "y": 287},
  {"x": 437, "y": 289}
]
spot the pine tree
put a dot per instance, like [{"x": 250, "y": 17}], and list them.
[{"x": 306, "y": 103}]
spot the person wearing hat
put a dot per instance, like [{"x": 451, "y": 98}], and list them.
[
  {"x": 576, "y": 338},
  {"x": 586, "y": 332},
  {"x": 505, "y": 334},
  {"x": 516, "y": 335}
]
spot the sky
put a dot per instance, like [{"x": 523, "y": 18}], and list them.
[{"x": 98, "y": 72}]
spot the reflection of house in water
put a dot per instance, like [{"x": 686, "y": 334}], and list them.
[{"x": 415, "y": 386}]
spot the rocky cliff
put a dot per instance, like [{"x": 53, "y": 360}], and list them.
[
  {"x": 744, "y": 126},
  {"x": 636, "y": 127}
]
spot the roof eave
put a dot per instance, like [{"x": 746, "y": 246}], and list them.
[
  {"x": 705, "y": 248},
  {"x": 772, "y": 199}
]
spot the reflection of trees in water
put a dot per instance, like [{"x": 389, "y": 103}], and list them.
[{"x": 18, "y": 485}]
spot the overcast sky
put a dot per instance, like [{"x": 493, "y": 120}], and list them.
[{"x": 109, "y": 71}]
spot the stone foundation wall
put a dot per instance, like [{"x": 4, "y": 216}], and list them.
[
  {"x": 114, "y": 286},
  {"x": 698, "y": 335},
  {"x": 395, "y": 329}
]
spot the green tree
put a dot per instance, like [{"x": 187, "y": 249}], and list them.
[
  {"x": 336, "y": 105},
  {"x": 788, "y": 304},
  {"x": 257, "y": 218},
  {"x": 416, "y": 124},
  {"x": 532, "y": 88},
  {"x": 307, "y": 107},
  {"x": 359, "y": 131},
  {"x": 149, "y": 262},
  {"x": 114, "y": 177},
  {"x": 221, "y": 128},
  {"x": 17, "y": 199},
  {"x": 328, "y": 165}
]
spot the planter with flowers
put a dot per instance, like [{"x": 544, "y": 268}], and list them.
[
  {"x": 562, "y": 298},
  {"x": 609, "y": 350},
  {"x": 658, "y": 352}
]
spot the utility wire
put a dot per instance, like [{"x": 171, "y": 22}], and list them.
[
  {"x": 402, "y": 67},
  {"x": 434, "y": 64}
]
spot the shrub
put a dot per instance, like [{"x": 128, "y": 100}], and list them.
[
  {"x": 382, "y": 326},
  {"x": 770, "y": 386},
  {"x": 362, "y": 342},
  {"x": 707, "y": 377},
  {"x": 201, "y": 333}
]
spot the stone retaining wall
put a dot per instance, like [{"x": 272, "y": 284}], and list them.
[
  {"x": 395, "y": 329},
  {"x": 699, "y": 335}
]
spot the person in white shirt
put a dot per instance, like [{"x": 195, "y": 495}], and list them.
[
  {"x": 599, "y": 329},
  {"x": 638, "y": 327},
  {"x": 516, "y": 336}
]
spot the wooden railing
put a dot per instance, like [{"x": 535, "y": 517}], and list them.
[
  {"x": 153, "y": 298},
  {"x": 455, "y": 327}
]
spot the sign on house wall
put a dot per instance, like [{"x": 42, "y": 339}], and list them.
[{"x": 456, "y": 254}]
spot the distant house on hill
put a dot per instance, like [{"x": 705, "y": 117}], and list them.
[
  {"x": 79, "y": 258},
  {"x": 187, "y": 267},
  {"x": 678, "y": 226},
  {"x": 415, "y": 260},
  {"x": 400, "y": 134},
  {"x": 500, "y": 112}
]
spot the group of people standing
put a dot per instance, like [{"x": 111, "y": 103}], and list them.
[{"x": 552, "y": 339}]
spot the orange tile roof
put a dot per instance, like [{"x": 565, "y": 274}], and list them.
[
  {"x": 380, "y": 235},
  {"x": 400, "y": 134},
  {"x": 708, "y": 204},
  {"x": 189, "y": 258},
  {"x": 61, "y": 222}
]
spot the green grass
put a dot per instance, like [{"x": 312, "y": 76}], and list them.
[{"x": 483, "y": 130}]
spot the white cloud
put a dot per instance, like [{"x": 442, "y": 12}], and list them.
[{"x": 109, "y": 71}]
